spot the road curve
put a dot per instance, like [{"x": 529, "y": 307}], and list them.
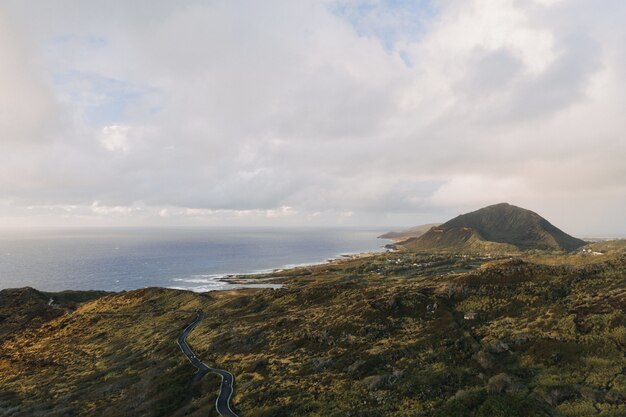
[{"x": 222, "y": 403}]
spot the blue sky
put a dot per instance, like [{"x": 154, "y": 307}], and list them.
[
  {"x": 390, "y": 21},
  {"x": 102, "y": 100}
]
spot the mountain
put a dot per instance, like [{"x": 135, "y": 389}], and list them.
[
  {"x": 415, "y": 231},
  {"x": 498, "y": 228}
]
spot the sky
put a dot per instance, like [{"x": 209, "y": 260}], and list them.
[{"x": 373, "y": 113}]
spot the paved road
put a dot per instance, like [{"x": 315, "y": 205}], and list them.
[{"x": 222, "y": 404}]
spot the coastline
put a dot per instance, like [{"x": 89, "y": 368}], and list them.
[{"x": 263, "y": 278}]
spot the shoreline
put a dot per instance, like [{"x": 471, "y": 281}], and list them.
[{"x": 259, "y": 279}]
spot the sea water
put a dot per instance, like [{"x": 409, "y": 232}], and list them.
[{"x": 194, "y": 259}]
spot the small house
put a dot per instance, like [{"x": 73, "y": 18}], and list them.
[{"x": 470, "y": 315}]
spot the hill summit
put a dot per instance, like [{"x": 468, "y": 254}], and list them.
[{"x": 500, "y": 227}]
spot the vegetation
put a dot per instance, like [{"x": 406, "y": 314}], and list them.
[
  {"x": 393, "y": 334},
  {"x": 20, "y": 307},
  {"x": 114, "y": 355},
  {"x": 500, "y": 228}
]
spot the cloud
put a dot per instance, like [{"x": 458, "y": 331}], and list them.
[
  {"x": 26, "y": 103},
  {"x": 115, "y": 138},
  {"x": 118, "y": 210},
  {"x": 395, "y": 112},
  {"x": 472, "y": 191}
]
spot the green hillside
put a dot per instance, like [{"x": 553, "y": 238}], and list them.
[
  {"x": 457, "y": 240},
  {"x": 500, "y": 227}
]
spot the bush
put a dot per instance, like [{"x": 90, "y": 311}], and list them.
[
  {"x": 454, "y": 408},
  {"x": 508, "y": 406}
]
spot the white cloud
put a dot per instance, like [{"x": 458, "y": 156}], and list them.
[
  {"x": 289, "y": 112},
  {"x": 548, "y": 2},
  {"x": 472, "y": 191},
  {"x": 282, "y": 211},
  {"x": 115, "y": 138},
  {"x": 26, "y": 103},
  {"x": 97, "y": 208},
  {"x": 490, "y": 25}
]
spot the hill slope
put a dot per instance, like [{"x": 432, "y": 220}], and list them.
[
  {"x": 455, "y": 239},
  {"x": 378, "y": 336},
  {"x": 415, "y": 231},
  {"x": 492, "y": 227},
  {"x": 20, "y": 307}
]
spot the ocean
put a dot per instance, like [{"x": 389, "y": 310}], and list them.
[{"x": 195, "y": 259}]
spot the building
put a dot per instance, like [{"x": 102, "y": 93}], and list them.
[{"x": 470, "y": 315}]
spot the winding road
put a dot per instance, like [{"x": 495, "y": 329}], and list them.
[{"x": 222, "y": 404}]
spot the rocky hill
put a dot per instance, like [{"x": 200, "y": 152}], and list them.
[{"x": 500, "y": 228}]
